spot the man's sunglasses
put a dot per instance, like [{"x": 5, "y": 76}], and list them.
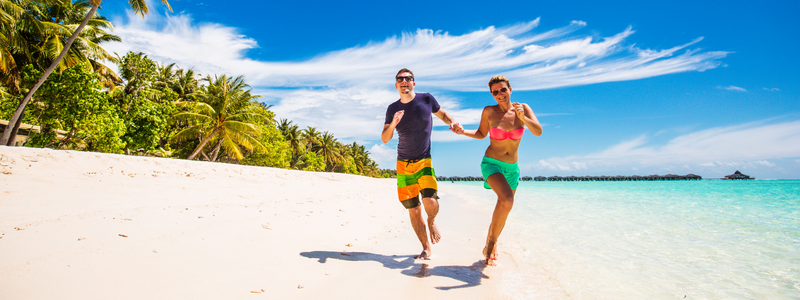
[
  {"x": 406, "y": 78},
  {"x": 495, "y": 92}
]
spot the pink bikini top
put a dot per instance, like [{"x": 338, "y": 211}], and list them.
[{"x": 499, "y": 134}]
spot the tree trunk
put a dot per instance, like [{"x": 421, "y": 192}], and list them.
[
  {"x": 202, "y": 144},
  {"x": 216, "y": 151},
  {"x": 17, "y": 117},
  {"x": 13, "y": 139}
]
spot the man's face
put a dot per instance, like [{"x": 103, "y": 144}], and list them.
[{"x": 404, "y": 83}]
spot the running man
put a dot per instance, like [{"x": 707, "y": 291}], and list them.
[{"x": 411, "y": 116}]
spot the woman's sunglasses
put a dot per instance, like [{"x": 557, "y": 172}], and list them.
[{"x": 495, "y": 92}]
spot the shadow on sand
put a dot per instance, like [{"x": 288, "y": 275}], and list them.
[{"x": 470, "y": 275}]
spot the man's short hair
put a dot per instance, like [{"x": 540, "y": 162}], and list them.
[
  {"x": 498, "y": 79},
  {"x": 403, "y": 70}
]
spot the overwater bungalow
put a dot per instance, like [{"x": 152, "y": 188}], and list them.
[
  {"x": 738, "y": 176},
  {"x": 586, "y": 178}
]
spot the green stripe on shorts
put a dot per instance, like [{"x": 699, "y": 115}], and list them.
[{"x": 411, "y": 179}]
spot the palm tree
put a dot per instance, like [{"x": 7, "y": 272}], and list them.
[
  {"x": 360, "y": 156},
  {"x": 21, "y": 34},
  {"x": 310, "y": 136},
  {"x": 165, "y": 76},
  {"x": 139, "y": 7},
  {"x": 225, "y": 114},
  {"x": 293, "y": 136},
  {"x": 184, "y": 84},
  {"x": 12, "y": 17},
  {"x": 328, "y": 147},
  {"x": 86, "y": 47}
]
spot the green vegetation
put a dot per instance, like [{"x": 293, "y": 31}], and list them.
[{"x": 53, "y": 78}]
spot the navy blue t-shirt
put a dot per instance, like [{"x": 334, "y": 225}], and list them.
[{"x": 414, "y": 130}]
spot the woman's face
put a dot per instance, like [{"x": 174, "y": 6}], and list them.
[{"x": 501, "y": 92}]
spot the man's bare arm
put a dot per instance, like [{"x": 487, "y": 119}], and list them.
[{"x": 388, "y": 129}]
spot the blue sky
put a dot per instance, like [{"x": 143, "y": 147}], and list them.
[{"x": 629, "y": 88}]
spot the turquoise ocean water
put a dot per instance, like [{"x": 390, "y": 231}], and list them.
[{"x": 709, "y": 239}]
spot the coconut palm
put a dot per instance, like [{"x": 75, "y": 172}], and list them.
[
  {"x": 225, "y": 114},
  {"x": 329, "y": 148},
  {"x": 311, "y": 136},
  {"x": 294, "y": 137},
  {"x": 165, "y": 76},
  {"x": 360, "y": 157},
  {"x": 85, "y": 48},
  {"x": 184, "y": 84},
  {"x": 21, "y": 33},
  {"x": 55, "y": 21},
  {"x": 139, "y": 7},
  {"x": 12, "y": 16}
]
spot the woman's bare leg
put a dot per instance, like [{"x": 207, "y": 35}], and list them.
[{"x": 505, "y": 201}]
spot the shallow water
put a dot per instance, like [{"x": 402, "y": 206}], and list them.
[{"x": 708, "y": 239}]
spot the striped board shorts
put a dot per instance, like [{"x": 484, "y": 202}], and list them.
[{"x": 415, "y": 177}]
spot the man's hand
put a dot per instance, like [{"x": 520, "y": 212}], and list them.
[
  {"x": 397, "y": 117},
  {"x": 457, "y": 128}
]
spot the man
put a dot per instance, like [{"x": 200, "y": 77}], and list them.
[{"x": 411, "y": 116}]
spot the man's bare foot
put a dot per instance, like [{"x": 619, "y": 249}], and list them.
[
  {"x": 425, "y": 255},
  {"x": 435, "y": 236},
  {"x": 491, "y": 255}
]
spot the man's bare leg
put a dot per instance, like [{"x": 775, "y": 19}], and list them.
[
  {"x": 422, "y": 234},
  {"x": 432, "y": 209}
]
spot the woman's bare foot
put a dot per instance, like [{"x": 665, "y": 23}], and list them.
[
  {"x": 435, "y": 236},
  {"x": 425, "y": 255},
  {"x": 490, "y": 252}
]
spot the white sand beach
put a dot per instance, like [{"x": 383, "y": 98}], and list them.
[{"x": 79, "y": 225}]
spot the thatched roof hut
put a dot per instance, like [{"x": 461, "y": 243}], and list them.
[{"x": 738, "y": 176}]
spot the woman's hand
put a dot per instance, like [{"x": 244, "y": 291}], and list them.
[
  {"x": 519, "y": 109},
  {"x": 457, "y": 128}
]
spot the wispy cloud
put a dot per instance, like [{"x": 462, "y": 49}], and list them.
[
  {"x": 536, "y": 60},
  {"x": 346, "y": 91},
  {"x": 772, "y": 89},
  {"x": 732, "y": 88},
  {"x": 751, "y": 144}
]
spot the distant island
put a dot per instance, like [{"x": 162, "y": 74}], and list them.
[
  {"x": 585, "y": 178},
  {"x": 735, "y": 176}
]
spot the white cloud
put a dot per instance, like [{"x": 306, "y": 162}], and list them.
[
  {"x": 764, "y": 163},
  {"x": 751, "y": 145},
  {"x": 772, "y": 89},
  {"x": 732, "y": 88},
  {"x": 210, "y": 48},
  {"x": 346, "y": 91},
  {"x": 447, "y": 136},
  {"x": 350, "y": 113},
  {"x": 383, "y": 155}
]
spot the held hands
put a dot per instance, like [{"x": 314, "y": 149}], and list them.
[{"x": 457, "y": 128}]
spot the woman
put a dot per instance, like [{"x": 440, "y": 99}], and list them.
[{"x": 505, "y": 124}]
